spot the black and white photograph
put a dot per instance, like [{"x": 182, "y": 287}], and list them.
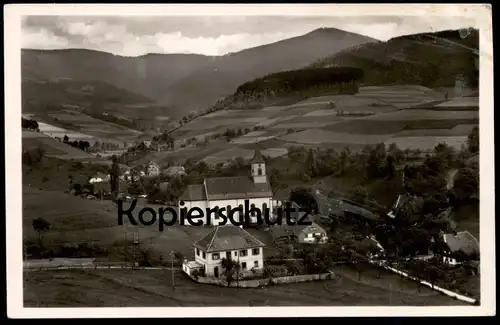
[{"x": 246, "y": 156}]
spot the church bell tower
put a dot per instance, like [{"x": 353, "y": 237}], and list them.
[{"x": 258, "y": 166}]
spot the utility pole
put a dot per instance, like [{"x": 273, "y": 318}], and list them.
[
  {"x": 126, "y": 249},
  {"x": 136, "y": 243},
  {"x": 173, "y": 274}
]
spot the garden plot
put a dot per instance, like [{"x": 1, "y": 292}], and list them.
[
  {"x": 232, "y": 153},
  {"x": 459, "y": 130},
  {"x": 420, "y": 114},
  {"x": 221, "y": 113},
  {"x": 300, "y": 125},
  {"x": 247, "y": 140},
  {"x": 318, "y": 136},
  {"x": 255, "y": 134},
  {"x": 427, "y": 143},
  {"x": 274, "y": 152},
  {"x": 204, "y": 124},
  {"x": 364, "y": 126}
]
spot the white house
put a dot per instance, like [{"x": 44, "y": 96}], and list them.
[
  {"x": 462, "y": 241},
  {"x": 230, "y": 193},
  {"x": 227, "y": 242}
]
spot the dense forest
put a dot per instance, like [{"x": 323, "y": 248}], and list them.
[
  {"x": 428, "y": 59},
  {"x": 300, "y": 80}
]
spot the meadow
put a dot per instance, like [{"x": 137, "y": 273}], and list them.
[
  {"x": 52, "y": 147},
  {"x": 154, "y": 288}
]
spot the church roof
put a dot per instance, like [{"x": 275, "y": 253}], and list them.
[
  {"x": 257, "y": 158},
  {"x": 227, "y": 237},
  {"x": 194, "y": 193},
  {"x": 227, "y": 188}
]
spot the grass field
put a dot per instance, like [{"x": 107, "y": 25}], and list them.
[
  {"x": 135, "y": 288},
  {"x": 52, "y": 147}
]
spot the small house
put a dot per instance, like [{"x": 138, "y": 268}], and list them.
[
  {"x": 461, "y": 243},
  {"x": 226, "y": 242},
  {"x": 152, "y": 169}
]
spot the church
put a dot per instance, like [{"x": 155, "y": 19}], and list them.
[{"x": 231, "y": 192}]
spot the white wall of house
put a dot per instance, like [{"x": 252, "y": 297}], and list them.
[
  {"x": 450, "y": 260},
  {"x": 252, "y": 259},
  {"x": 193, "y": 204},
  {"x": 258, "y": 202},
  {"x": 310, "y": 237}
]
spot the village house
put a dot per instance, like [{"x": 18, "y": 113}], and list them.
[
  {"x": 227, "y": 242},
  {"x": 302, "y": 234},
  {"x": 175, "y": 171},
  {"x": 152, "y": 169},
  {"x": 373, "y": 248},
  {"x": 231, "y": 192},
  {"x": 462, "y": 241}
]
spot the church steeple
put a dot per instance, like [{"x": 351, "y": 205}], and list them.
[{"x": 258, "y": 168}]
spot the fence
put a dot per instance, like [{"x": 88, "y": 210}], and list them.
[
  {"x": 447, "y": 292},
  {"x": 265, "y": 281}
]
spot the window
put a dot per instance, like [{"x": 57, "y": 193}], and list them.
[
  {"x": 204, "y": 255},
  {"x": 235, "y": 253},
  {"x": 244, "y": 265},
  {"x": 215, "y": 256},
  {"x": 255, "y": 251},
  {"x": 252, "y": 211},
  {"x": 243, "y": 252},
  {"x": 256, "y": 264},
  {"x": 198, "y": 251},
  {"x": 259, "y": 171}
]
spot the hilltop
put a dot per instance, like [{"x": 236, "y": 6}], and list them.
[
  {"x": 184, "y": 82},
  {"x": 428, "y": 59}
]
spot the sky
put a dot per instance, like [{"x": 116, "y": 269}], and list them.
[{"x": 208, "y": 35}]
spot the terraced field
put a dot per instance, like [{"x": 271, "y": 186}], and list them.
[
  {"x": 94, "y": 127},
  {"x": 52, "y": 147},
  {"x": 410, "y": 116}
]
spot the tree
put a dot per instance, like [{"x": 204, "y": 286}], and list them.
[
  {"x": 360, "y": 194},
  {"x": 65, "y": 139},
  {"x": 473, "y": 140},
  {"x": 230, "y": 267},
  {"x": 466, "y": 183},
  {"x": 41, "y": 225}
]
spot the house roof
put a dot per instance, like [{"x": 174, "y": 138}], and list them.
[
  {"x": 227, "y": 237},
  {"x": 257, "y": 158},
  {"x": 194, "y": 192},
  {"x": 227, "y": 188},
  {"x": 295, "y": 230},
  {"x": 464, "y": 241}
]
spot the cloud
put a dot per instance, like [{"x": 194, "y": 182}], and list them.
[
  {"x": 43, "y": 39},
  {"x": 209, "y": 35}
]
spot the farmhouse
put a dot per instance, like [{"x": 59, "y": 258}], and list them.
[
  {"x": 307, "y": 234},
  {"x": 463, "y": 242},
  {"x": 152, "y": 169},
  {"x": 227, "y": 242},
  {"x": 231, "y": 192}
]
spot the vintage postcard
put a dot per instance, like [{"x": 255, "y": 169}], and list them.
[{"x": 259, "y": 160}]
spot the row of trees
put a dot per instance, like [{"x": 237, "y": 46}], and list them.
[{"x": 29, "y": 124}]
